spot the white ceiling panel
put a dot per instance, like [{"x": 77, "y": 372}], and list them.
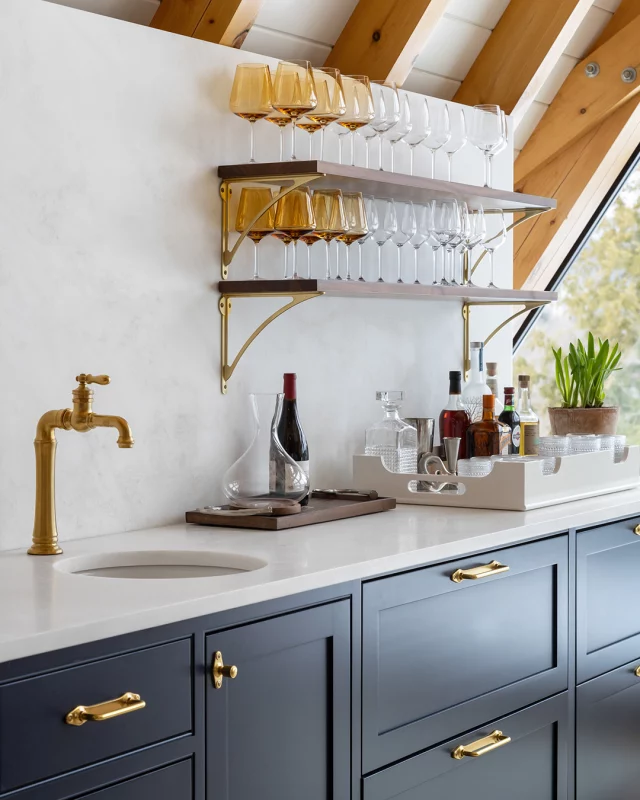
[
  {"x": 452, "y": 48},
  {"x": 557, "y": 77},
  {"x": 140, "y": 11},
  {"x": 532, "y": 117},
  {"x": 321, "y": 21},
  {"x": 584, "y": 38},
  {"x": 433, "y": 85},
  {"x": 485, "y": 13},
  {"x": 280, "y": 45},
  {"x": 608, "y": 5}
]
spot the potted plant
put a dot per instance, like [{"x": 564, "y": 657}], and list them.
[{"x": 580, "y": 377}]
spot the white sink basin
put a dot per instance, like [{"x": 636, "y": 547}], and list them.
[{"x": 159, "y": 564}]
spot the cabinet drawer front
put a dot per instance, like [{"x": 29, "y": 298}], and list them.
[
  {"x": 532, "y": 766},
  {"x": 607, "y": 714},
  {"x": 608, "y": 597},
  {"x": 169, "y": 783},
  {"x": 34, "y": 711},
  {"x": 281, "y": 728},
  {"x": 440, "y": 656}
]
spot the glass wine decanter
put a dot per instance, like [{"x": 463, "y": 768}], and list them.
[
  {"x": 393, "y": 439},
  {"x": 265, "y": 471}
]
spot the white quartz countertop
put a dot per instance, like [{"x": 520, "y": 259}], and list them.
[{"x": 45, "y": 608}]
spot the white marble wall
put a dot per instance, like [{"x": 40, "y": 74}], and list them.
[{"x": 110, "y": 135}]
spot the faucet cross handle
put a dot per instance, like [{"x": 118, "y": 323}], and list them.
[{"x": 83, "y": 379}]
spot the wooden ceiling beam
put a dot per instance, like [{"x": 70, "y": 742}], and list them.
[
  {"x": 383, "y": 38},
  {"x": 219, "y": 21},
  {"x": 520, "y": 54},
  {"x": 584, "y": 102}
]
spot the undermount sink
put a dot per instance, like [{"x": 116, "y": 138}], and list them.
[{"x": 159, "y": 564}]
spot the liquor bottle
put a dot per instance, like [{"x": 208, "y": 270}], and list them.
[
  {"x": 290, "y": 431},
  {"x": 487, "y": 436},
  {"x": 476, "y": 387},
  {"x": 529, "y": 422},
  {"x": 454, "y": 419},
  {"x": 492, "y": 383},
  {"x": 511, "y": 418}
]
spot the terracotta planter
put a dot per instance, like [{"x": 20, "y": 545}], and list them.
[{"x": 583, "y": 420}]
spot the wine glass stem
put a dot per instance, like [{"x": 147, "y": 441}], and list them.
[
  {"x": 352, "y": 136},
  {"x": 293, "y": 143},
  {"x": 379, "y": 262},
  {"x": 281, "y": 129},
  {"x": 412, "y": 151},
  {"x": 327, "y": 270},
  {"x": 308, "y": 261},
  {"x": 340, "y": 140},
  {"x": 380, "y": 140},
  {"x": 252, "y": 158},
  {"x": 442, "y": 264},
  {"x": 295, "y": 275},
  {"x": 434, "y": 252},
  {"x": 286, "y": 261},
  {"x": 346, "y": 253},
  {"x": 490, "y": 169},
  {"x": 310, "y": 146},
  {"x": 449, "y": 160},
  {"x": 399, "y": 262},
  {"x": 393, "y": 153},
  {"x": 256, "y": 270},
  {"x": 415, "y": 265},
  {"x": 486, "y": 169},
  {"x": 359, "y": 261},
  {"x": 493, "y": 283},
  {"x": 433, "y": 163},
  {"x": 367, "y": 148}
]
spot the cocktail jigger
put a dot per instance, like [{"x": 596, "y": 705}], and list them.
[{"x": 451, "y": 450}]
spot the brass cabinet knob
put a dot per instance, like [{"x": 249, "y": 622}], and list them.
[
  {"x": 108, "y": 710},
  {"x": 481, "y": 747},
  {"x": 221, "y": 671},
  {"x": 636, "y": 530}
]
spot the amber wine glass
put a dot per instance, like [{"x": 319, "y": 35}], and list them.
[
  {"x": 252, "y": 200},
  {"x": 281, "y": 120},
  {"x": 331, "y": 220},
  {"x": 360, "y": 110},
  {"x": 331, "y": 103},
  {"x": 311, "y": 127},
  {"x": 309, "y": 239},
  {"x": 294, "y": 93},
  {"x": 295, "y": 218},
  {"x": 356, "y": 223},
  {"x": 251, "y": 96}
]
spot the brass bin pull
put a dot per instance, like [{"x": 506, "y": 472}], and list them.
[
  {"x": 473, "y": 574},
  {"x": 219, "y": 671},
  {"x": 482, "y": 746},
  {"x": 102, "y": 711}
]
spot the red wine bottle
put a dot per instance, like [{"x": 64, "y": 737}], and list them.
[{"x": 290, "y": 431}]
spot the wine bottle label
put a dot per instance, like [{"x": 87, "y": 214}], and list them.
[
  {"x": 515, "y": 437},
  {"x": 530, "y": 438}
]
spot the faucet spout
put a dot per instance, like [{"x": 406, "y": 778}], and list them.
[{"x": 125, "y": 439}]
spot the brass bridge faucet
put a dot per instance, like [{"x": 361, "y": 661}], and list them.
[{"x": 81, "y": 419}]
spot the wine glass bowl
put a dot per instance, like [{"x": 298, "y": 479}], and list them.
[
  {"x": 439, "y": 132},
  {"x": 458, "y": 138},
  {"x": 406, "y": 229},
  {"x": 251, "y": 94},
  {"x": 252, "y": 200},
  {"x": 401, "y": 128},
  {"x": 420, "y": 129}
]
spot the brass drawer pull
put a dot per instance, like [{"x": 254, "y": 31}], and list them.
[
  {"x": 482, "y": 746},
  {"x": 636, "y": 530},
  {"x": 220, "y": 671},
  {"x": 112, "y": 708},
  {"x": 473, "y": 574}
]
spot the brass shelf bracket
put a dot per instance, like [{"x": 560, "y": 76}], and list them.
[
  {"x": 528, "y": 213},
  {"x": 466, "y": 318},
  {"x": 224, "y": 306},
  {"x": 225, "y": 195}
]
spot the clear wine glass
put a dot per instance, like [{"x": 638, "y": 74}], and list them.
[
  {"x": 405, "y": 231},
  {"x": 495, "y": 238},
  {"x": 400, "y": 129},
  {"x": 440, "y": 132},
  {"x": 386, "y": 104},
  {"x": 474, "y": 230},
  {"x": 445, "y": 227},
  {"x": 452, "y": 244},
  {"x": 371, "y": 212},
  {"x": 420, "y": 236},
  {"x": 458, "y": 137},
  {"x": 486, "y": 133},
  {"x": 387, "y": 226},
  {"x": 420, "y": 128},
  {"x": 504, "y": 141}
]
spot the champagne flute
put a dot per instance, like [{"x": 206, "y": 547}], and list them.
[
  {"x": 420, "y": 129},
  {"x": 388, "y": 225},
  {"x": 440, "y": 132},
  {"x": 331, "y": 103},
  {"x": 493, "y": 241},
  {"x": 420, "y": 236},
  {"x": 251, "y": 96},
  {"x": 401, "y": 128},
  {"x": 486, "y": 133},
  {"x": 252, "y": 199},
  {"x": 371, "y": 212},
  {"x": 386, "y": 103},
  {"x": 360, "y": 111},
  {"x": 331, "y": 220},
  {"x": 356, "y": 224},
  {"x": 295, "y": 218},
  {"x": 458, "y": 138},
  {"x": 405, "y": 230},
  {"x": 294, "y": 93}
]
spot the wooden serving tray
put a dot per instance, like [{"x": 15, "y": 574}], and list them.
[{"x": 321, "y": 508}]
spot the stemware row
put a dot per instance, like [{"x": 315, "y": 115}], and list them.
[
  {"x": 312, "y": 98},
  {"x": 449, "y": 227}
]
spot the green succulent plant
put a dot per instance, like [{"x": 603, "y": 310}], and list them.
[{"x": 581, "y": 374}]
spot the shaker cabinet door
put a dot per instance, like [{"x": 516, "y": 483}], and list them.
[
  {"x": 608, "y": 736},
  {"x": 281, "y": 728}
]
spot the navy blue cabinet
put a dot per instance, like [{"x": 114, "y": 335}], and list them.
[
  {"x": 169, "y": 783},
  {"x": 281, "y": 728}
]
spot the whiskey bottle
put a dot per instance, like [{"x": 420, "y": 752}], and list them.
[
  {"x": 529, "y": 422},
  {"x": 510, "y": 417},
  {"x": 487, "y": 437},
  {"x": 454, "y": 419}
]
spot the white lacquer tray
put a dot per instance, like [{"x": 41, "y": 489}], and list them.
[{"x": 512, "y": 486}]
